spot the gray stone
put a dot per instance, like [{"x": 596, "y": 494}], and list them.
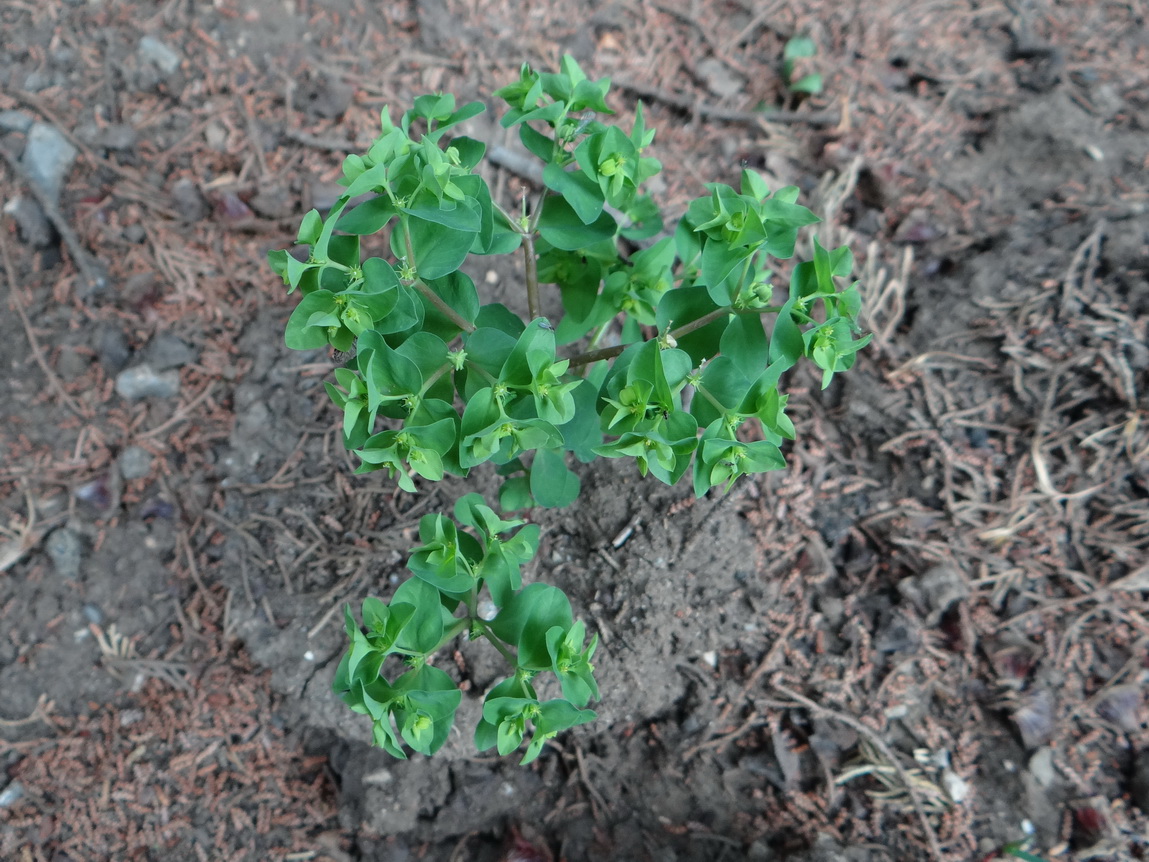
[
  {"x": 719, "y": 78},
  {"x": 135, "y": 462},
  {"x": 15, "y": 121},
  {"x": 116, "y": 136},
  {"x": 35, "y": 229},
  {"x": 1041, "y": 767},
  {"x": 72, "y": 364},
  {"x": 167, "y": 351},
  {"x": 935, "y": 590},
  {"x": 189, "y": 202},
  {"x": 11, "y": 794},
  {"x": 152, "y": 50},
  {"x": 143, "y": 381},
  {"x": 37, "y": 80},
  {"x": 65, "y": 551},
  {"x": 112, "y": 347},
  {"x": 92, "y": 613},
  {"x": 48, "y": 157}
]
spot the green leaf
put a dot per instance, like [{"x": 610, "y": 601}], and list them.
[
  {"x": 439, "y": 251},
  {"x": 799, "y": 46},
  {"x": 464, "y": 216},
  {"x": 553, "y": 485},
  {"x": 786, "y": 343},
  {"x": 307, "y": 328},
  {"x": 369, "y": 217},
  {"x": 684, "y": 305},
  {"x": 582, "y": 433},
  {"x": 458, "y": 291},
  {"x": 526, "y": 619},
  {"x": 561, "y": 226},
  {"x": 310, "y": 228},
  {"x": 577, "y": 189},
  {"x": 744, "y": 342},
  {"x": 807, "y": 84},
  {"x": 425, "y": 629}
]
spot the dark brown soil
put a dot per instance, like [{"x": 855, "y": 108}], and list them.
[{"x": 926, "y": 639}]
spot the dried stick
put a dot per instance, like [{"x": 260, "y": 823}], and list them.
[
  {"x": 713, "y": 112},
  {"x": 33, "y": 342},
  {"x": 887, "y": 752},
  {"x": 80, "y": 256}
]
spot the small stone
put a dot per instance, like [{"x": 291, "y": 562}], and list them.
[
  {"x": 48, "y": 157},
  {"x": 1041, "y": 767},
  {"x": 71, "y": 364},
  {"x": 167, "y": 351},
  {"x": 135, "y": 234},
  {"x": 143, "y": 381},
  {"x": 112, "y": 348},
  {"x": 935, "y": 590},
  {"x": 188, "y": 201},
  {"x": 152, "y": 50},
  {"x": 37, "y": 80},
  {"x": 15, "y": 121},
  {"x": 92, "y": 613},
  {"x": 11, "y": 794},
  {"x": 35, "y": 229},
  {"x": 720, "y": 79},
  {"x": 117, "y": 136},
  {"x": 135, "y": 462},
  {"x": 759, "y": 851},
  {"x": 65, "y": 551},
  {"x": 273, "y": 201}
]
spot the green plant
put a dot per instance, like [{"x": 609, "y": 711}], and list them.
[
  {"x": 439, "y": 382},
  {"x": 796, "y": 49}
]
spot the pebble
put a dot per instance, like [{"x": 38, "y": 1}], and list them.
[
  {"x": 167, "y": 351},
  {"x": 48, "y": 157},
  {"x": 92, "y": 613},
  {"x": 35, "y": 229},
  {"x": 15, "y": 121},
  {"x": 71, "y": 363},
  {"x": 135, "y": 462},
  {"x": 152, "y": 50},
  {"x": 935, "y": 590},
  {"x": 189, "y": 202},
  {"x": 11, "y": 794},
  {"x": 64, "y": 549},
  {"x": 720, "y": 79},
  {"x": 115, "y": 136},
  {"x": 112, "y": 347},
  {"x": 1041, "y": 766},
  {"x": 143, "y": 381}
]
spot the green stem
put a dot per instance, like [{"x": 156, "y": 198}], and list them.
[
  {"x": 532, "y": 264},
  {"x": 438, "y": 372},
  {"x": 685, "y": 329},
  {"x": 480, "y": 370},
  {"x": 511, "y": 658},
  {"x": 701, "y": 390},
  {"x": 431, "y": 296}
]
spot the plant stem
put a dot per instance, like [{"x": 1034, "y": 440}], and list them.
[
  {"x": 686, "y": 329},
  {"x": 438, "y": 372},
  {"x": 532, "y": 274},
  {"x": 511, "y": 658},
  {"x": 431, "y": 296},
  {"x": 701, "y": 390}
]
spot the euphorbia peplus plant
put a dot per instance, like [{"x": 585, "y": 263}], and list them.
[{"x": 438, "y": 382}]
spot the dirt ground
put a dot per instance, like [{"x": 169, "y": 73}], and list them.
[{"x": 926, "y": 639}]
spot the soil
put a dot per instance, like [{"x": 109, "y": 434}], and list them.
[{"x": 927, "y": 638}]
